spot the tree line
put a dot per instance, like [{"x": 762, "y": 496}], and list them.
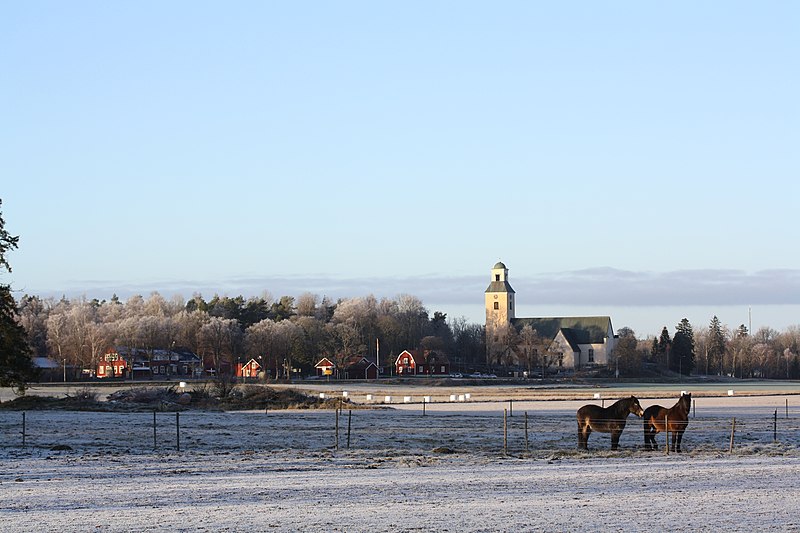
[
  {"x": 279, "y": 333},
  {"x": 715, "y": 350}
]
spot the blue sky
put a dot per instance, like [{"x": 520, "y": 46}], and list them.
[{"x": 626, "y": 156}]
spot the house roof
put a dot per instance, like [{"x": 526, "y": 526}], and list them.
[
  {"x": 413, "y": 354},
  {"x": 581, "y": 329},
  {"x": 424, "y": 357},
  {"x": 571, "y": 337},
  {"x": 358, "y": 362},
  {"x": 184, "y": 355},
  {"x": 45, "y": 362},
  {"x": 499, "y": 286},
  {"x": 324, "y": 363}
]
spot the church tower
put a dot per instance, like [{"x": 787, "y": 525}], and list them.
[{"x": 499, "y": 300}]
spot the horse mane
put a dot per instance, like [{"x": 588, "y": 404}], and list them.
[{"x": 622, "y": 407}]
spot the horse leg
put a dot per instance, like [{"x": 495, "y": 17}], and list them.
[
  {"x": 586, "y": 430},
  {"x": 615, "y": 435},
  {"x": 680, "y": 437},
  {"x": 674, "y": 441},
  {"x": 649, "y": 437}
]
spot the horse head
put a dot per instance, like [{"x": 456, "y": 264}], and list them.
[
  {"x": 686, "y": 401},
  {"x": 635, "y": 408}
]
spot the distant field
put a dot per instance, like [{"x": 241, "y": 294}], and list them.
[{"x": 488, "y": 391}]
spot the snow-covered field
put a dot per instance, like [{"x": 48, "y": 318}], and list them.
[{"x": 281, "y": 471}]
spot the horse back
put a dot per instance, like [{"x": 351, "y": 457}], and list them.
[{"x": 652, "y": 412}]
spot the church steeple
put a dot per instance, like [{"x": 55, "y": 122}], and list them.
[{"x": 499, "y": 299}]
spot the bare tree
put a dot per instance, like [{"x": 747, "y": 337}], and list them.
[{"x": 216, "y": 337}]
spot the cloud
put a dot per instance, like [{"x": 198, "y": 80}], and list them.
[{"x": 589, "y": 287}]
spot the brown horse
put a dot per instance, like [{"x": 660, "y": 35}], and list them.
[
  {"x": 677, "y": 417},
  {"x": 609, "y": 419}
]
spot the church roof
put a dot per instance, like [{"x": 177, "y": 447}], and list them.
[
  {"x": 499, "y": 286},
  {"x": 499, "y": 264},
  {"x": 579, "y": 329}
]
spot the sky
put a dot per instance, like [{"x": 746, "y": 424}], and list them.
[{"x": 628, "y": 159}]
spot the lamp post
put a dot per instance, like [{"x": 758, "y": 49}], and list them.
[{"x": 65, "y": 370}]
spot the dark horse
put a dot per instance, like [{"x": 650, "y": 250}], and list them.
[
  {"x": 677, "y": 417},
  {"x": 609, "y": 419}
]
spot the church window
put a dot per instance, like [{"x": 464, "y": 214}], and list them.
[
  {"x": 497, "y": 277},
  {"x": 591, "y": 355},
  {"x": 511, "y": 305},
  {"x": 497, "y": 305}
]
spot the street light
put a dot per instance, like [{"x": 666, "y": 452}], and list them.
[{"x": 65, "y": 370}]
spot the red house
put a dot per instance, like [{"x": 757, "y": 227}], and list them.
[
  {"x": 111, "y": 365},
  {"x": 407, "y": 363},
  {"x": 250, "y": 369},
  {"x": 422, "y": 363},
  {"x": 325, "y": 367}
]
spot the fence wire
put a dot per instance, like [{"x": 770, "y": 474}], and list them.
[{"x": 385, "y": 430}]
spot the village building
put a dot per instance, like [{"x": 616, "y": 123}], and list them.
[
  {"x": 359, "y": 367},
  {"x": 569, "y": 342},
  {"x": 135, "y": 363},
  {"x": 352, "y": 367},
  {"x": 325, "y": 367},
  {"x": 250, "y": 369},
  {"x": 422, "y": 363},
  {"x": 112, "y": 365}
]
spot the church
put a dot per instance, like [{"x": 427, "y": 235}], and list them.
[{"x": 570, "y": 342}]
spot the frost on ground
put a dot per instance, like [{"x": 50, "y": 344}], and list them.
[{"x": 281, "y": 471}]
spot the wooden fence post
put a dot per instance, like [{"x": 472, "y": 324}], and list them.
[
  {"x": 505, "y": 431},
  {"x": 336, "y": 432},
  {"x": 349, "y": 418},
  {"x": 775, "y": 427},
  {"x": 23, "y": 429},
  {"x": 526, "y": 431},
  {"x": 733, "y": 432},
  {"x": 178, "y": 431},
  {"x": 154, "y": 430},
  {"x": 666, "y": 435}
]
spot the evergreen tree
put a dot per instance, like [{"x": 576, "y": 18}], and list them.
[
  {"x": 16, "y": 366},
  {"x": 716, "y": 345},
  {"x": 662, "y": 349},
  {"x": 683, "y": 348}
]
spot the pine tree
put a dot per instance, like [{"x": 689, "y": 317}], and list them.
[
  {"x": 683, "y": 348},
  {"x": 16, "y": 366},
  {"x": 662, "y": 349},
  {"x": 716, "y": 345}
]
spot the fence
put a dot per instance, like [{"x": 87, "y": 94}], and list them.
[{"x": 413, "y": 429}]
